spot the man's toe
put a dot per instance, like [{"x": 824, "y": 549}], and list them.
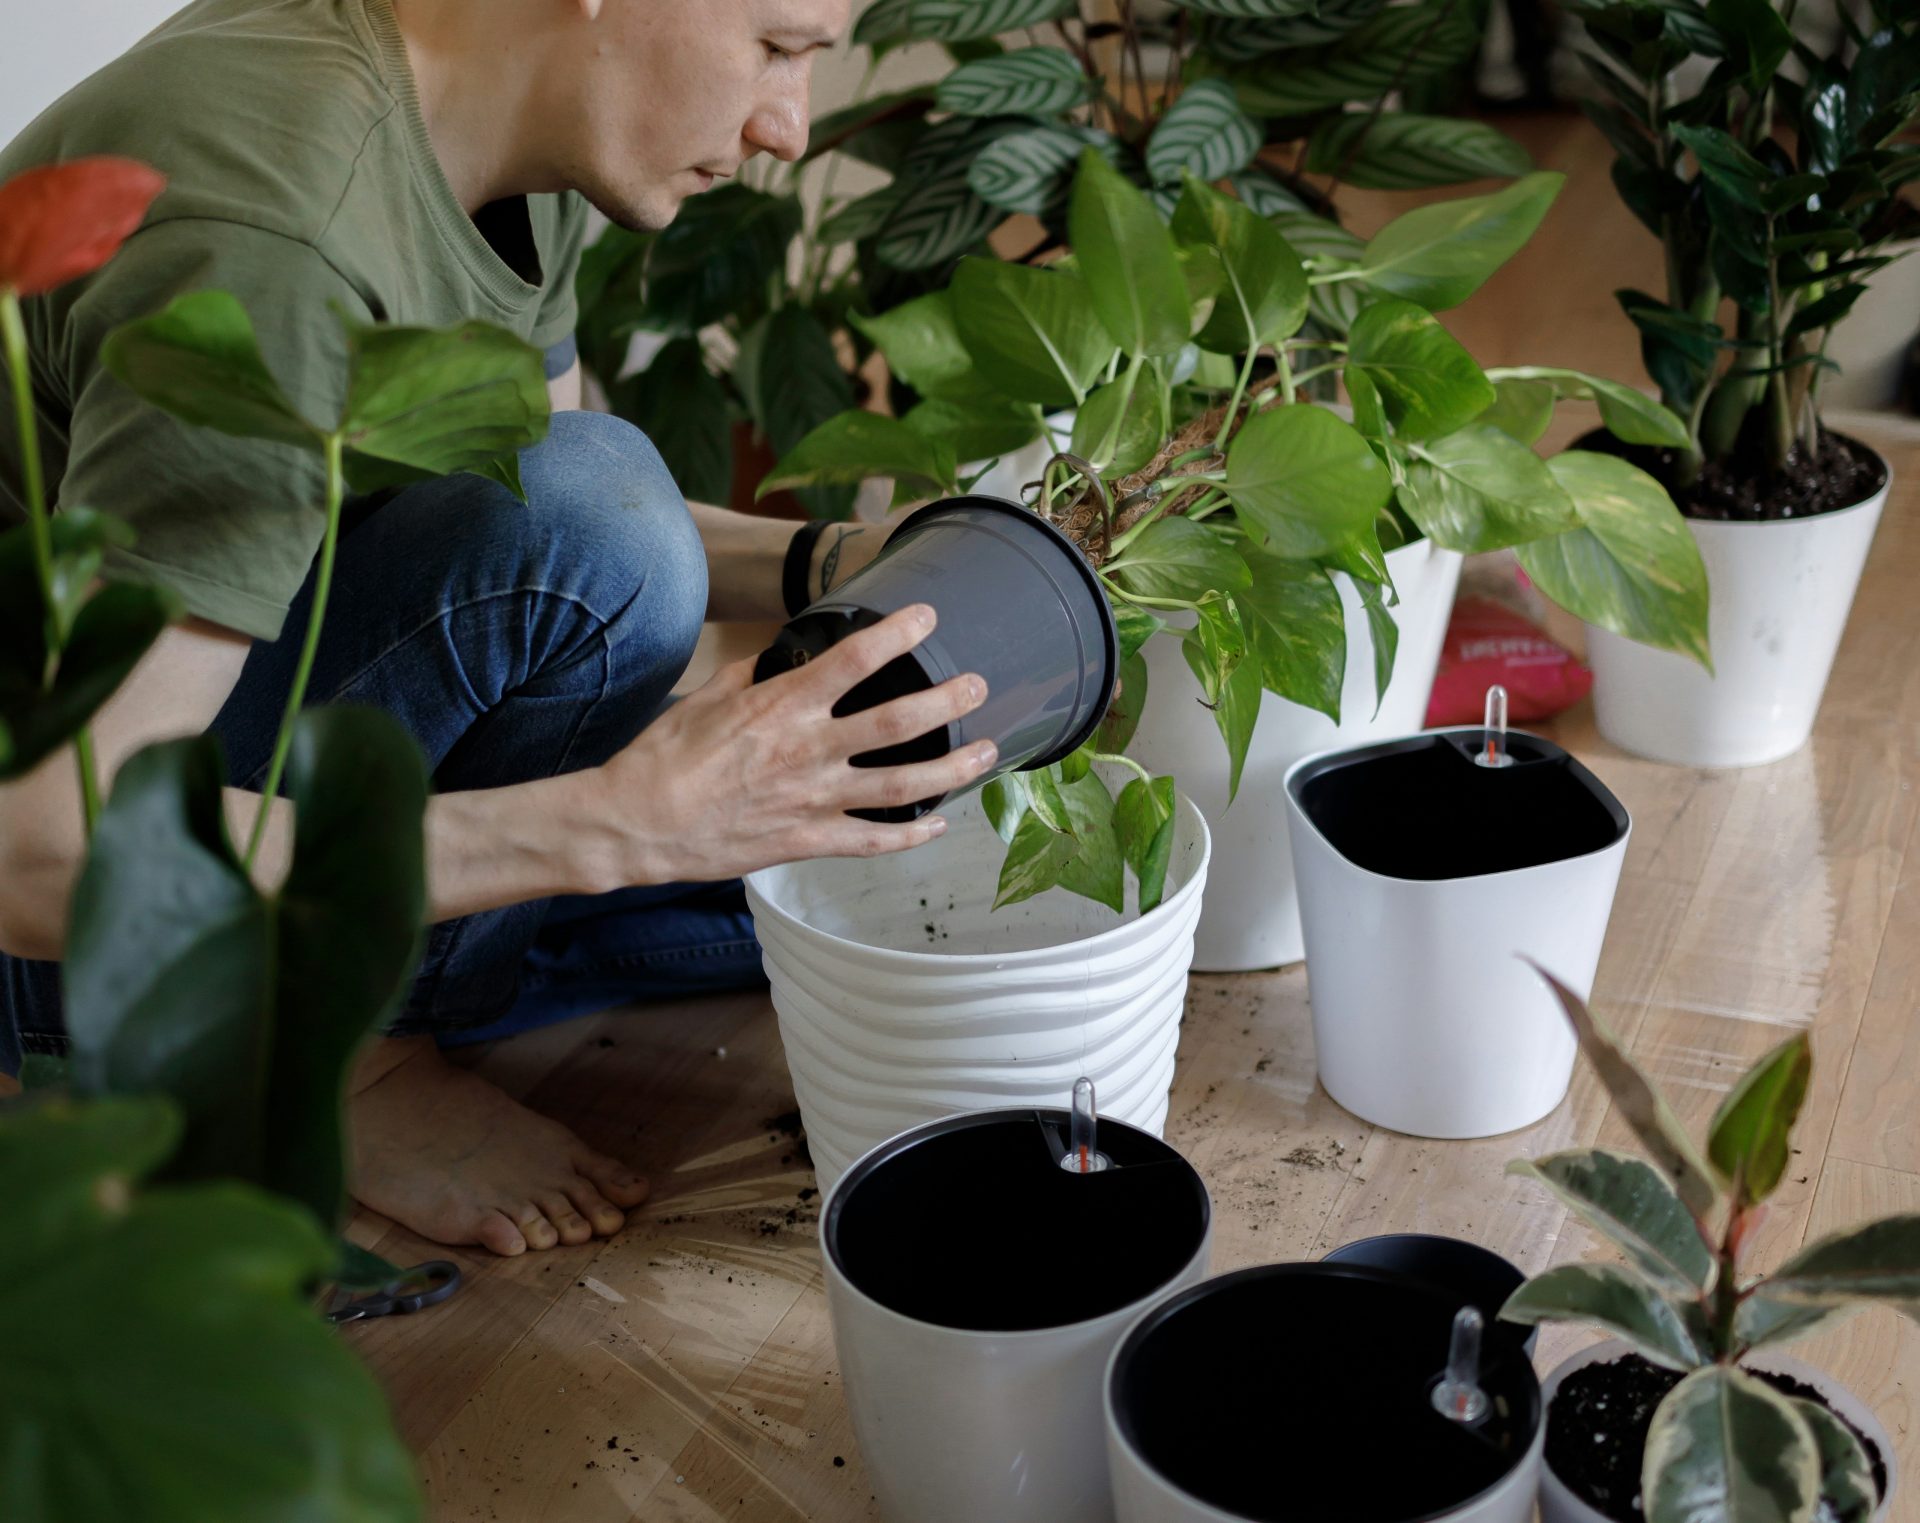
[
  {"x": 618, "y": 1183},
  {"x": 571, "y": 1225},
  {"x": 498, "y": 1233},
  {"x": 606, "y": 1217},
  {"x": 540, "y": 1232}
]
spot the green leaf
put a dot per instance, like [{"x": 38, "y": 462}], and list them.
[
  {"x": 1044, "y": 798},
  {"x": 199, "y": 360},
  {"x": 1640, "y": 1104},
  {"x": 857, "y": 445},
  {"x": 1033, "y": 333},
  {"x": 1386, "y": 639},
  {"x": 1397, "y": 150},
  {"x": 792, "y": 379},
  {"x": 846, "y": 128},
  {"x": 1279, "y": 25},
  {"x": 1265, "y": 298},
  {"x": 163, "y": 1358},
  {"x": 44, "y": 703},
  {"x": 1440, "y": 255},
  {"x": 938, "y": 218},
  {"x": 1304, "y": 479},
  {"x": 1095, "y": 869},
  {"x": 1129, "y": 702},
  {"x": 1630, "y": 416},
  {"x": 982, "y": 427},
  {"x": 1632, "y": 566},
  {"x": 441, "y": 400},
  {"x": 1369, "y": 412},
  {"x": 1725, "y": 1445},
  {"x": 1136, "y": 627},
  {"x": 1728, "y": 167},
  {"x": 1760, "y": 39},
  {"x": 718, "y": 256},
  {"x": 1633, "y": 1206},
  {"x": 1005, "y": 801},
  {"x": 1759, "y": 1320},
  {"x": 1217, "y": 644},
  {"x": 1402, "y": 45},
  {"x": 893, "y": 21},
  {"x": 42, "y": 1071},
  {"x": 1293, "y": 614},
  {"x": 1143, "y": 425},
  {"x": 1479, "y": 489},
  {"x": 1075, "y": 765},
  {"x": 1236, "y": 709},
  {"x": 1032, "y": 170},
  {"x": 1609, "y": 1296},
  {"x": 1428, "y": 382},
  {"x": 1877, "y": 1262},
  {"x": 683, "y": 408},
  {"x": 921, "y": 342},
  {"x": 1846, "y": 1474},
  {"x": 1204, "y": 133},
  {"x": 1127, "y": 256},
  {"x": 1748, "y": 1140},
  {"x": 356, "y": 1268},
  {"x": 1036, "y": 858},
  {"x": 1030, "y": 82},
  {"x": 1143, "y": 821},
  {"x": 1265, "y": 196},
  {"x": 1177, "y": 558},
  {"x": 863, "y": 217},
  {"x": 1523, "y": 410}
]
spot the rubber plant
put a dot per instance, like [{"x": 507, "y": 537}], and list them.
[
  {"x": 1774, "y": 197},
  {"x": 1201, "y": 491},
  {"x": 1723, "y": 1444},
  {"x": 762, "y": 303},
  {"x": 165, "y": 1359}
]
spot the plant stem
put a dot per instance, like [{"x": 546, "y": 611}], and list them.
[
  {"x": 1112, "y": 441},
  {"x": 1123, "y": 761},
  {"x": 1232, "y": 419},
  {"x": 1314, "y": 374},
  {"x": 316, "y": 616}
]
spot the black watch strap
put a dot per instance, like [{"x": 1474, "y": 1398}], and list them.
[{"x": 793, "y": 576}]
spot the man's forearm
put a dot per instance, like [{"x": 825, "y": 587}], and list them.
[{"x": 747, "y": 555}]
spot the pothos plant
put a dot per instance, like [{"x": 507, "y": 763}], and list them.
[
  {"x": 762, "y": 304},
  {"x": 1778, "y": 193},
  {"x": 1225, "y": 501},
  {"x": 1723, "y": 1444},
  {"x": 163, "y": 1354}
]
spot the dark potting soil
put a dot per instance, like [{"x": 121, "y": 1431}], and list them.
[
  {"x": 1424, "y": 809},
  {"x": 980, "y": 1228},
  {"x": 1842, "y": 473},
  {"x": 1597, "y": 1431}
]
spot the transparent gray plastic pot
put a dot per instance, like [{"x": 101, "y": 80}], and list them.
[{"x": 1018, "y": 605}]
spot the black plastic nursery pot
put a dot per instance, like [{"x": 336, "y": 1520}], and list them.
[
  {"x": 1018, "y": 605},
  {"x": 1303, "y": 1391},
  {"x": 1473, "y": 1275},
  {"x": 971, "y": 1222}
]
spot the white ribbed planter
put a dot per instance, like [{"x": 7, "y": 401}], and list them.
[
  {"x": 1252, "y": 917},
  {"x": 888, "y": 1024},
  {"x": 1558, "y": 1504},
  {"x": 1780, "y": 594}
]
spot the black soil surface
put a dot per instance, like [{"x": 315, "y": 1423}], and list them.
[{"x": 1842, "y": 474}]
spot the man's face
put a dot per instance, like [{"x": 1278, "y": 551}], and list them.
[{"x": 676, "y": 94}]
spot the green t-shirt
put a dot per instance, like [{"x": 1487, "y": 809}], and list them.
[{"x": 299, "y": 175}]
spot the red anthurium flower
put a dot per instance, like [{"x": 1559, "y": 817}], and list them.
[{"x": 65, "y": 220}]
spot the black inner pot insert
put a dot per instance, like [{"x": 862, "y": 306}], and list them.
[
  {"x": 1423, "y": 808},
  {"x": 1301, "y": 1391},
  {"x": 973, "y": 1224}
]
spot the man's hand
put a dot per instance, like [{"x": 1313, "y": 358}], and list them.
[{"x": 739, "y": 776}]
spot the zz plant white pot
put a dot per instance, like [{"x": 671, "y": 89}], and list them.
[
  {"x": 1781, "y": 591},
  {"x": 904, "y": 996}
]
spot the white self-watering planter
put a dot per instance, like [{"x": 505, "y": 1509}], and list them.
[
  {"x": 1252, "y": 917},
  {"x": 1780, "y": 591},
  {"x": 904, "y": 996},
  {"x": 977, "y": 1290},
  {"x": 1424, "y": 879},
  {"x": 1560, "y": 1504},
  {"x": 1303, "y": 1391}
]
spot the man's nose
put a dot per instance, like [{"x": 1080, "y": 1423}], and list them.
[{"x": 779, "y": 127}]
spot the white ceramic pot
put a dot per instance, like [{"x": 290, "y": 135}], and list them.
[
  {"x": 957, "y": 1424},
  {"x": 1558, "y": 1504},
  {"x": 1252, "y": 917},
  {"x": 1364, "y": 1442},
  {"x": 1424, "y": 878},
  {"x": 904, "y": 996},
  {"x": 1780, "y": 593}
]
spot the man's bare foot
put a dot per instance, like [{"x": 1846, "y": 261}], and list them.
[{"x": 442, "y": 1151}]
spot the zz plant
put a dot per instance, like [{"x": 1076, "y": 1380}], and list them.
[
  {"x": 1723, "y": 1444},
  {"x": 165, "y": 1358},
  {"x": 1209, "y": 493}
]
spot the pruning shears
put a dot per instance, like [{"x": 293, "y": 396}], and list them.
[{"x": 412, "y": 1290}]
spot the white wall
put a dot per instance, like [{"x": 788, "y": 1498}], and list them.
[{"x": 51, "y": 45}]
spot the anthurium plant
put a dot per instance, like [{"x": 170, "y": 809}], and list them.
[
  {"x": 1723, "y": 1444},
  {"x": 761, "y": 303},
  {"x": 1773, "y": 185},
  {"x": 1211, "y": 496},
  {"x": 166, "y": 1359}
]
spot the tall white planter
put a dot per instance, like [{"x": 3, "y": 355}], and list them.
[
  {"x": 904, "y": 996},
  {"x": 1252, "y": 916},
  {"x": 1780, "y": 594}
]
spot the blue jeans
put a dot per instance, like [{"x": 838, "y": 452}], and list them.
[{"x": 514, "y": 642}]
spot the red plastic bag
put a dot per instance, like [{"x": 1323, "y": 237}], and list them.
[{"x": 1489, "y": 643}]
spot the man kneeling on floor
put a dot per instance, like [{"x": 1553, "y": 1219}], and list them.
[{"x": 426, "y": 162}]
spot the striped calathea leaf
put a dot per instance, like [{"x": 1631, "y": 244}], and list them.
[
  {"x": 1397, "y": 150},
  {"x": 896, "y": 21},
  {"x": 1398, "y": 47},
  {"x": 1204, "y": 133}
]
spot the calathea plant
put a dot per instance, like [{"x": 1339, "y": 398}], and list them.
[
  {"x": 1226, "y": 502},
  {"x": 762, "y": 304},
  {"x": 163, "y": 1355},
  {"x": 1787, "y": 225},
  {"x": 1723, "y": 1443}
]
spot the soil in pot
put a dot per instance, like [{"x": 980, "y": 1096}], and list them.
[
  {"x": 1303, "y": 1391},
  {"x": 976, "y": 1226},
  {"x": 1597, "y": 1431},
  {"x": 1842, "y": 473}
]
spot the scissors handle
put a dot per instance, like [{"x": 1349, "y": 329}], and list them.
[{"x": 404, "y": 1293}]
